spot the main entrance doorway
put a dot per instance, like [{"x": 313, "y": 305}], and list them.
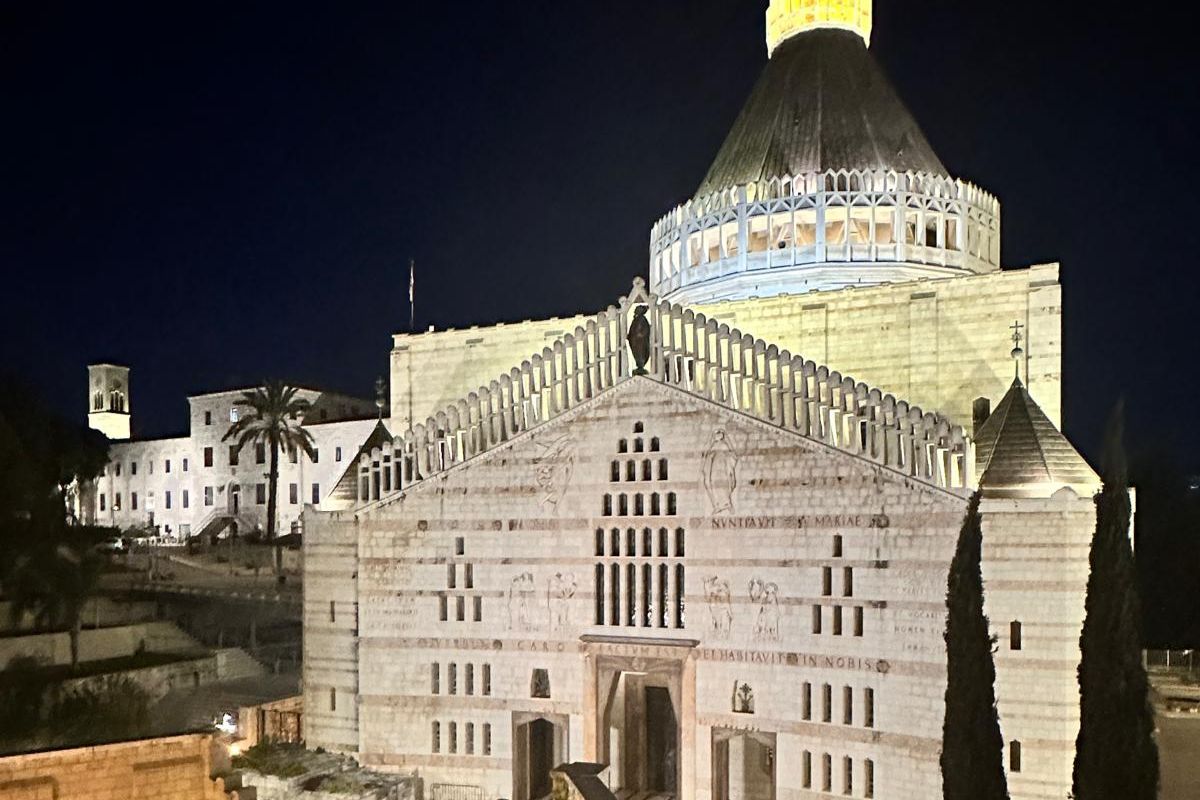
[
  {"x": 539, "y": 745},
  {"x": 743, "y": 765},
  {"x": 640, "y": 735}
]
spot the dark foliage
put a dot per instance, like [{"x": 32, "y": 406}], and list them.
[
  {"x": 972, "y": 747},
  {"x": 1116, "y": 755}
]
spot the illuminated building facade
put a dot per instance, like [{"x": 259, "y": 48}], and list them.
[{"x": 659, "y": 539}]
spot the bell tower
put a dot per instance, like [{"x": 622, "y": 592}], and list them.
[
  {"x": 108, "y": 400},
  {"x": 787, "y": 18}
]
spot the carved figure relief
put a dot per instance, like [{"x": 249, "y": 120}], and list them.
[
  {"x": 743, "y": 698},
  {"x": 720, "y": 606},
  {"x": 766, "y": 622},
  {"x": 522, "y": 597},
  {"x": 718, "y": 467},
  {"x": 553, "y": 469},
  {"x": 559, "y": 593}
]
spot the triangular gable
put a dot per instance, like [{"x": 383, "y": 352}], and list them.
[{"x": 695, "y": 354}]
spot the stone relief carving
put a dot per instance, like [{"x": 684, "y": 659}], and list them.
[
  {"x": 766, "y": 622},
  {"x": 720, "y": 606},
  {"x": 639, "y": 339},
  {"x": 718, "y": 468},
  {"x": 553, "y": 469},
  {"x": 522, "y": 597},
  {"x": 559, "y": 593},
  {"x": 743, "y": 698}
]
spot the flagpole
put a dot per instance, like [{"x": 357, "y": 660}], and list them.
[{"x": 412, "y": 298}]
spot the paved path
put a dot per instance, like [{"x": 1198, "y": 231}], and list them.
[{"x": 1179, "y": 757}]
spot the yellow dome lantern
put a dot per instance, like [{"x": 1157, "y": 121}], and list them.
[{"x": 787, "y": 18}]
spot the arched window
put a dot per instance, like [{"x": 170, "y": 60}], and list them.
[
  {"x": 671, "y": 509},
  {"x": 623, "y": 505},
  {"x": 646, "y": 470},
  {"x": 616, "y": 471},
  {"x": 655, "y": 509},
  {"x": 654, "y": 445},
  {"x": 662, "y": 469}
]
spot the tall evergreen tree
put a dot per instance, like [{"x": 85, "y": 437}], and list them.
[
  {"x": 972, "y": 748},
  {"x": 1116, "y": 757}
]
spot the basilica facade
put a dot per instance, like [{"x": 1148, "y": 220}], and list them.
[{"x": 699, "y": 538}]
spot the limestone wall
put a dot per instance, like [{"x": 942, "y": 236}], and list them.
[
  {"x": 1035, "y": 570},
  {"x": 937, "y": 344},
  {"x": 171, "y": 768},
  {"x": 514, "y": 534},
  {"x": 97, "y": 645}
]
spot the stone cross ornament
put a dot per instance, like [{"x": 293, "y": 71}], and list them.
[{"x": 639, "y": 339}]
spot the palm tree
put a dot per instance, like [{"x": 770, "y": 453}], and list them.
[{"x": 274, "y": 422}]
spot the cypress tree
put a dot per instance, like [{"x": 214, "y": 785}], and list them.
[
  {"x": 1116, "y": 756},
  {"x": 972, "y": 748}
]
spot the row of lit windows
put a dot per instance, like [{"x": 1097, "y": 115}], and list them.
[
  {"x": 638, "y": 595},
  {"x": 485, "y": 672},
  {"x": 654, "y": 508},
  {"x": 847, "y": 787},
  {"x": 260, "y": 457},
  {"x": 460, "y": 608},
  {"x": 468, "y": 740},
  {"x": 837, "y": 620},
  {"x": 260, "y": 497},
  {"x": 631, "y": 471},
  {"x": 613, "y": 539},
  {"x": 827, "y": 711}
]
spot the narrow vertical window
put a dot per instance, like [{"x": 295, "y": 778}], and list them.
[
  {"x": 598, "y": 592},
  {"x": 647, "y": 542},
  {"x": 663, "y": 578},
  {"x": 614, "y": 592},
  {"x": 452, "y": 678},
  {"x": 847, "y": 776},
  {"x": 826, "y": 581},
  {"x": 443, "y": 608},
  {"x": 662, "y": 469},
  {"x": 639, "y": 507},
  {"x": 460, "y": 608},
  {"x": 435, "y": 737},
  {"x": 470, "y": 679},
  {"x": 478, "y": 603},
  {"x": 827, "y": 772},
  {"x": 470, "y": 738},
  {"x": 630, "y": 471},
  {"x": 451, "y": 576},
  {"x": 647, "y": 595},
  {"x": 655, "y": 508},
  {"x": 435, "y": 678},
  {"x": 630, "y": 543},
  {"x": 469, "y": 576},
  {"x": 1014, "y": 756},
  {"x": 806, "y": 701},
  {"x": 487, "y": 738},
  {"x": 453, "y": 737},
  {"x": 847, "y": 706},
  {"x": 858, "y": 621},
  {"x": 623, "y": 505},
  {"x": 837, "y": 620},
  {"x": 837, "y": 546},
  {"x": 806, "y": 776},
  {"x": 827, "y": 703},
  {"x": 679, "y": 542},
  {"x": 662, "y": 542},
  {"x": 1015, "y": 636},
  {"x": 631, "y": 593},
  {"x": 848, "y": 582},
  {"x": 333, "y": 699},
  {"x": 868, "y": 708},
  {"x": 671, "y": 507},
  {"x": 599, "y": 541},
  {"x": 487, "y": 680},
  {"x": 679, "y": 596},
  {"x": 332, "y": 611},
  {"x": 615, "y": 472},
  {"x": 816, "y": 619},
  {"x": 869, "y": 778}
]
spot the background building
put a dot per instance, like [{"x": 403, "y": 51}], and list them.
[{"x": 199, "y": 484}]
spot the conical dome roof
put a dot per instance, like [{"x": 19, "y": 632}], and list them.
[
  {"x": 823, "y": 103},
  {"x": 1019, "y": 452}
]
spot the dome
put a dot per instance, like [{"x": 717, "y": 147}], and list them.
[
  {"x": 825, "y": 180},
  {"x": 822, "y": 104}
]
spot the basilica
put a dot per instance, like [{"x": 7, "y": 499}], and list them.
[{"x": 694, "y": 542}]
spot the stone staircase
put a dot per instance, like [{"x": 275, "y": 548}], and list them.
[{"x": 233, "y": 663}]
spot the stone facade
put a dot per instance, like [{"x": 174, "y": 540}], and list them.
[
  {"x": 940, "y": 344},
  {"x": 171, "y": 768}
]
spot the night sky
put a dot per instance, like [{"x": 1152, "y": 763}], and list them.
[{"x": 225, "y": 193}]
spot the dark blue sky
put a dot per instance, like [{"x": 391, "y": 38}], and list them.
[{"x": 222, "y": 193}]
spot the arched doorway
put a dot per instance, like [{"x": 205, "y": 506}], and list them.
[
  {"x": 743, "y": 765},
  {"x": 539, "y": 746},
  {"x": 235, "y": 498}
]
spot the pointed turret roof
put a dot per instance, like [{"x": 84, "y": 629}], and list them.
[
  {"x": 1019, "y": 452},
  {"x": 823, "y": 103}
]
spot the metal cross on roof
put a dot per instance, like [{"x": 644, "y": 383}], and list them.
[{"x": 1017, "y": 352}]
